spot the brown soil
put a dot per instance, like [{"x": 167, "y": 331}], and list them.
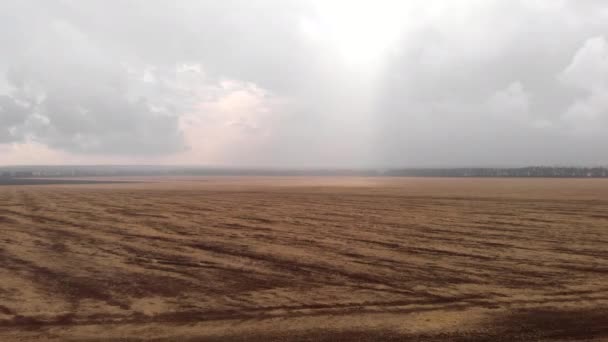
[{"x": 305, "y": 259}]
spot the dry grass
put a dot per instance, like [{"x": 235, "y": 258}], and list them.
[{"x": 306, "y": 259}]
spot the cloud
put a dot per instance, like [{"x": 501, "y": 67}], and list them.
[
  {"x": 117, "y": 87},
  {"x": 486, "y": 87},
  {"x": 305, "y": 83},
  {"x": 589, "y": 66},
  {"x": 588, "y": 115},
  {"x": 12, "y": 117},
  {"x": 230, "y": 124},
  {"x": 75, "y": 96}
]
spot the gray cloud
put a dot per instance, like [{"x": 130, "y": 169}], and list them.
[
  {"x": 76, "y": 94},
  {"x": 467, "y": 83},
  {"x": 12, "y": 116},
  {"x": 489, "y": 92}
]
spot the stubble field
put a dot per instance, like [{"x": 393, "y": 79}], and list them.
[{"x": 305, "y": 259}]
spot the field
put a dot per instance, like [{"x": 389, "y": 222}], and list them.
[{"x": 305, "y": 259}]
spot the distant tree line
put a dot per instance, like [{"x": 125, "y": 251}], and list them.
[
  {"x": 533, "y": 171},
  {"x": 16, "y": 174},
  {"x": 109, "y": 171}
]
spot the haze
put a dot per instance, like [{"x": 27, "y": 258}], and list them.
[{"x": 304, "y": 83}]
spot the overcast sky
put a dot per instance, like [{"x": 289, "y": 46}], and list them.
[{"x": 310, "y": 83}]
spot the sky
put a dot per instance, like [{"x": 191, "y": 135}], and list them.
[{"x": 309, "y": 83}]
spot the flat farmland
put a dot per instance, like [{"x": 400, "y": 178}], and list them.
[{"x": 305, "y": 259}]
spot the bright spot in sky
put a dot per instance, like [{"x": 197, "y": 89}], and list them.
[{"x": 361, "y": 31}]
